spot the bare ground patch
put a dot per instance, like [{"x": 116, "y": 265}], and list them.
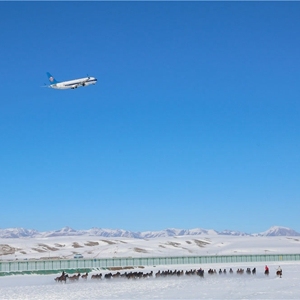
[
  {"x": 173, "y": 244},
  {"x": 109, "y": 242},
  {"x": 76, "y": 245},
  {"x": 140, "y": 250},
  {"x": 6, "y": 249},
  {"x": 189, "y": 250},
  {"x": 91, "y": 244},
  {"x": 39, "y": 250},
  {"x": 47, "y": 247},
  {"x": 200, "y": 243}
]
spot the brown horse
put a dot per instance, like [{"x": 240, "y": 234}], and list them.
[
  {"x": 267, "y": 272},
  {"x": 74, "y": 277},
  {"x": 240, "y": 271},
  {"x": 62, "y": 278},
  {"x": 279, "y": 273},
  {"x": 97, "y": 276}
]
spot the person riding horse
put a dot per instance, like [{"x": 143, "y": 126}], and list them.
[
  {"x": 266, "y": 270},
  {"x": 279, "y": 272}
]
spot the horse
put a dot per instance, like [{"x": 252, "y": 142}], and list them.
[
  {"x": 188, "y": 273},
  {"x": 147, "y": 275},
  {"x": 116, "y": 275},
  {"x": 279, "y": 273},
  {"x": 97, "y": 276},
  {"x": 267, "y": 272},
  {"x": 211, "y": 271},
  {"x": 62, "y": 278},
  {"x": 254, "y": 271},
  {"x": 200, "y": 273},
  {"x": 74, "y": 277},
  {"x": 84, "y": 276},
  {"x": 108, "y": 276}
]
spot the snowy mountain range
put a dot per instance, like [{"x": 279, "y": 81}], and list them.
[{"x": 68, "y": 231}]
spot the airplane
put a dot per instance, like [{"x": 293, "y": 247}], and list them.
[{"x": 70, "y": 84}]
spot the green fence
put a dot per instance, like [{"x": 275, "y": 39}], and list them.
[{"x": 76, "y": 264}]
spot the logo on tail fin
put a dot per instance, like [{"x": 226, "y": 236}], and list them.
[{"x": 51, "y": 78}]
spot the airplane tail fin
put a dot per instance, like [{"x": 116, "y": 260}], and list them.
[{"x": 51, "y": 78}]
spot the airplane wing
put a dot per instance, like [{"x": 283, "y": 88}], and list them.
[{"x": 83, "y": 82}]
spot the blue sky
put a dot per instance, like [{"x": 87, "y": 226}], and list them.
[{"x": 194, "y": 121}]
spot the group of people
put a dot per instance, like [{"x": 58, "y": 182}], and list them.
[{"x": 278, "y": 271}]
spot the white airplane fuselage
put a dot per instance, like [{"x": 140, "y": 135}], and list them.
[{"x": 74, "y": 84}]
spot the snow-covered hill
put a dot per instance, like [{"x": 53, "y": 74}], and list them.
[
  {"x": 20, "y": 243},
  {"x": 18, "y": 233},
  {"x": 65, "y": 247},
  {"x": 67, "y": 231},
  {"x": 280, "y": 231}
]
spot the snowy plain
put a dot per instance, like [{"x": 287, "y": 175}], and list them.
[{"x": 229, "y": 286}]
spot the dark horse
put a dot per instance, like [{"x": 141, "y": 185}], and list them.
[
  {"x": 200, "y": 273},
  {"x": 267, "y": 272},
  {"x": 62, "y": 278},
  {"x": 97, "y": 276},
  {"x": 74, "y": 277},
  {"x": 279, "y": 273}
]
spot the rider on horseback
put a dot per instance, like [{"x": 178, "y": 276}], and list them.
[
  {"x": 279, "y": 271},
  {"x": 266, "y": 270}
]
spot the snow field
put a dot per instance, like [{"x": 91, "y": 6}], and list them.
[{"x": 229, "y": 286}]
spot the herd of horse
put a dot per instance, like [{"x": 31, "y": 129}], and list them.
[{"x": 64, "y": 277}]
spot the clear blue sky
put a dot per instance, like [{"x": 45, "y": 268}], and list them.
[{"x": 194, "y": 121}]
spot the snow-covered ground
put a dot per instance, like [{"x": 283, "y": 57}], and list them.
[
  {"x": 100, "y": 247},
  {"x": 229, "y": 286}
]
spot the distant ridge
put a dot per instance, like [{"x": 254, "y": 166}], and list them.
[
  {"x": 68, "y": 231},
  {"x": 280, "y": 231}
]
